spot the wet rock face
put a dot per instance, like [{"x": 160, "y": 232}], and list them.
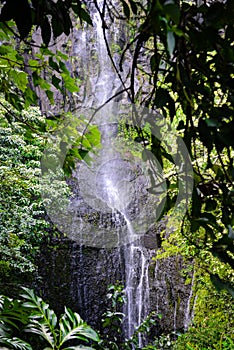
[
  {"x": 78, "y": 277},
  {"x": 169, "y": 295}
]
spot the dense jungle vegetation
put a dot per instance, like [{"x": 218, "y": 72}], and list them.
[{"x": 188, "y": 47}]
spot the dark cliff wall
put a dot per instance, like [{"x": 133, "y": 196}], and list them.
[{"x": 78, "y": 277}]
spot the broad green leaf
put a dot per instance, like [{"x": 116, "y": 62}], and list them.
[
  {"x": 62, "y": 55},
  {"x": 56, "y": 82},
  {"x": 69, "y": 82},
  {"x": 5, "y": 49},
  {"x": 50, "y": 96},
  {"x": 63, "y": 67},
  {"x": 84, "y": 15},
  {"x": 38, "y": 81},
  {"x": 54, "y": 64},
  {"x": 73, "y": 327},
  {"x": 33, "y": 63},
  {"x": 93, "y": 136},
  {"x": 173, "y": 11},
  {"x": 46, "y": 52},
  {"x": 30, "y": 97}
]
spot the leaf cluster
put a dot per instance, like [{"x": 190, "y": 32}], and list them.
[
  {"x": 32, "y": 315},
  {"x": 50, "y": 16},
  {"x": 189, "y": 49},
  {"x": 22, "y": 223}
]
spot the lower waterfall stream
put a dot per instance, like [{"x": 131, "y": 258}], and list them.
[{"x": 136, "y": 266}]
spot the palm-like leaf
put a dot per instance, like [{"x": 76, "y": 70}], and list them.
[
  {"x": 12, "y": 312},
  {"x": 73, "y": 327},
  {"x": 15, "y": 343},
  {"x": 42, "y": 320},
  {"x": 42, "y": 329}
]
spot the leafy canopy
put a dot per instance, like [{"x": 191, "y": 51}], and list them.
[
  {"x": 189, "y": 48},
  {"x": 52, "y": 17}
]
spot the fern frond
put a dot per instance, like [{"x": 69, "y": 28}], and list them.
[
  {"x": 42, "y": 320},
  {"x": 73, "y": 327},
  {"x": 15, "y": 343}
]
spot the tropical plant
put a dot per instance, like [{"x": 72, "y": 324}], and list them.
[
  {"x": 25, "y": 61},
  {"x": 112, "y": 319},
  {"x": 52, "y": 18},
  {"x": 13, "y": 317},
  {"x": 113, "y": 323},
  {"x": 188, "y": 46},
  {"x": 33, "y": 316},
  {"x": 212, "y": 326},
  {"x": 22, "y": 225}
]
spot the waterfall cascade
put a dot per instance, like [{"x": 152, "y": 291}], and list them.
[
  {"x": 113, "y": 236},
  {"x": 113, "y": 191}
]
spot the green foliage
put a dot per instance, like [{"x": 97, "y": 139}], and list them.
[
  {"x": 33, "y": 315},
  {"x": 190, "y": 51},
  {"x": 113, "y": 318},
  {"x": 113, "y": 323},
  {"x": 50, "y": 17},
  {"x": 212, "y": 326},
  {"x": 22, "y": 225},
  {"x": 24, "y": 76},
  {"x": 24, "y": 136},
  {"x": 29, "y": 71},
  {"x": 13, "y": 316},
  {"x": 143, "y": 330}
]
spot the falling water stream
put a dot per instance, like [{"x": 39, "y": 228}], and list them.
[
  {"x": 136, "y": 258},
  {"x": 112, "y": 210},
  {"x": 136, "y": 268}
]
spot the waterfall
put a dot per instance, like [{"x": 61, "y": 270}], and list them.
[
  {"x": 111, "y": 215},
  {"x": 190, "y": 306},
  {"x": 137, "y": 288},
  {"x": 137, "y": 261},
  {"x": 114, "y": 179}
]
